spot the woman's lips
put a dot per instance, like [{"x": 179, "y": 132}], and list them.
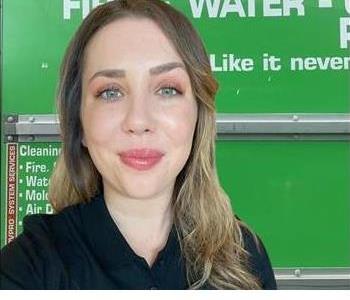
[{"x": 141, "y": 159}]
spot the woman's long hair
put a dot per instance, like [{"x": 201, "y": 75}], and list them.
[{"x": 210, "y": 236}]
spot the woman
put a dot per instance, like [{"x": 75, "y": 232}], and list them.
[{"x": 137, "y": 198}]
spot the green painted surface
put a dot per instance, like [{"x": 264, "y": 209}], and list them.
[
  {"x": 314, "y": 35},
  {"x": 296, "y": 195},
  {"x": 34, "y": 34}
]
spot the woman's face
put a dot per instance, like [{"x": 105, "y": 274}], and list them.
[{"x": 138, "y": 111}]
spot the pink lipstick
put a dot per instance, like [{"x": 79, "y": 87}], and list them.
[{"x": 141, "y": 159}]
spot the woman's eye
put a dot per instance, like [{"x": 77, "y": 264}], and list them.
[
  {"x": 113, "y": 94},
  {"x": 170, "y": 91},
  {"x": 110, "y": 94}
]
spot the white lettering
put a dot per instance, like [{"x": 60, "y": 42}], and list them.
[
  {"x": 251, "y": 8},
  {"x": 36, "y": 181},
  {"x": 28, "y": 150},
  {"x": 197, "y": 8},
  {"x": 337, "y": 63},
  {"x": 49, "y": 208},
  {"x": 68, "y": 6},
  {"x": 344, "y": 32},
  {"x": 310, "y": 63},
  {"x": 272, "y": 12},
  {"x": 271, "y": 63},
  {"x": 33, "y": 208},
  {"x": 347, "y": 6},
  {"x": 228, "y": 7},
  {"x": 34, "y": 168},
  {"x": 296, "y": 63},
  {"x": 84, "y": 5},
  {"x": 33, "y": 195},
  {"x": 86, "y": 8},
  {"x": 247, "y": 8},
  {"x": 96, "y": 3},
  {"x": 319, "y": 63},
  {"x": 288, "y": 5},
  {"x": 231, "y": 63}
]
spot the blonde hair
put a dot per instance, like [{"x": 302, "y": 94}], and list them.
[{"x": 210, "y": 235}]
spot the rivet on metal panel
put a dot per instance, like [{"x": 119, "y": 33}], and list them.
[
  {"x": 295, "y": 118},
  {"x": 10, "y": 119},
  {"x": 297, "y": 272},
  {"x": 9, "y": 138},
  {"x": 31, "y": 119}
]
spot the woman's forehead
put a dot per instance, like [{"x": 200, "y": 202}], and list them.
[
  {"x": 129, "y": 44},
  {"x": 130, "y": 38}
]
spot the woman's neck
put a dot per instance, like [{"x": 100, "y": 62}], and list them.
[
  {"x": 144, "y": 223},
  {"x": 152, "y": 210}
]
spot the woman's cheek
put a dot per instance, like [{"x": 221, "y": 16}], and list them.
[
  {"x": 101, "y": 124},
  {"x": 180, "y": 126}
]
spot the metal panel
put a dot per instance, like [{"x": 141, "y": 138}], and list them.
[
  {"x": 229, "y": 127},
  {"x": 313, "y": 278},
  {"x": 283, "y": 126},
  {"x": 27, "y": 128}
]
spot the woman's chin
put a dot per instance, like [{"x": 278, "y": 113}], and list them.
[{"x": 145, "y": 189}]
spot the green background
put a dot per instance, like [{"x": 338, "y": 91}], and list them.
[{"x": 294, "y": 194}]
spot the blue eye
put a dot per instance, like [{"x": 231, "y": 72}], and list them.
[
  {"x": 170, "y": 91},
  {"x": 113, "y": 94},
  {"x": 110, "y": 94}
]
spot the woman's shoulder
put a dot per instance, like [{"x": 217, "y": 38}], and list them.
[
  {"x": 259, "y": 261},
  {"x": 39, "y": 249},
  {"x": 26, "y": 259},
  {"x": 70, "y": 219},
  {"x": 45, "y": 225}
]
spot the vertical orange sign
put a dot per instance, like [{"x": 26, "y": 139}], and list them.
[{"x": 11, "y": 203}]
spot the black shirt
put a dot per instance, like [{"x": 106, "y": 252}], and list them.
[{"x": 82, "y": 248}]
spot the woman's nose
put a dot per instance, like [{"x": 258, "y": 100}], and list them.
[{"x": 138, "y": 117}]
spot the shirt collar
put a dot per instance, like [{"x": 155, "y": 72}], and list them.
[{"x": 108, "y": 243}]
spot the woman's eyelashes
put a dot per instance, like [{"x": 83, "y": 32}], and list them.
[
  {"x": 109, "y": 94},
  {"x": 112, "y": 93},
  {"x": 170, "y": 91}
]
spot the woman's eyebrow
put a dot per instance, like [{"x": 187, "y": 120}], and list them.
[
  {"x": 166, "y": 68},
  {"x": 117, "y": 73}
]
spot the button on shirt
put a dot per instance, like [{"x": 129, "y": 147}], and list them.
[{"x": 82, "y": 248}]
